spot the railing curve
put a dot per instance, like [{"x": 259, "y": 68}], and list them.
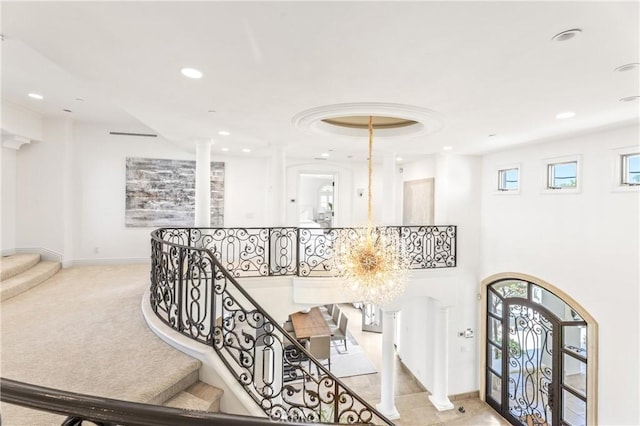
[
  {"x": 111, "y": 412},
  {"x": 195, "y": 295},
  {"x": 279, "y": 251}
]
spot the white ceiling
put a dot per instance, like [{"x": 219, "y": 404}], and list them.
[{"x": 485, "y": 67}]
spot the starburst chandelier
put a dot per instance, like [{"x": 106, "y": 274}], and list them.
[{"x": 372, "y": 261}]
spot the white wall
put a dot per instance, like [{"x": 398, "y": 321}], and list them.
[
  {"x": 8, "y": 201},
  {"x": 101, "y": 189},
  {"x": 246, "y": 191},
  {"x": 19, "y": 121},
  {"x": 40, "y": 169},
  {"x": 456, "y": 202},
  {"x": 586, "y": 244},
  {"x": 70, "y": 192}
]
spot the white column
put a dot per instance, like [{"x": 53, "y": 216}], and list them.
[
  {"x": 69, "y": 194},
  {"x": 389, "y": 190},
  {"x": 203, "y": 184},
  {"x": 277, "y": 186},
  {"x": 387, "y": 404},
  {"x": 439, "y": 397}
]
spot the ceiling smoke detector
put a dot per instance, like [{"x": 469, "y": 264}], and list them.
[{"x": 566, "y": 35}]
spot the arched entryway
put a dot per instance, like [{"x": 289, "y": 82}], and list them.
[{"x": 539, "y": 353}]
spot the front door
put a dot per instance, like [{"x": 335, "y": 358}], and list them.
[
  {"x": 536, "y": 356},
  {"x": 528, "y": 358}
]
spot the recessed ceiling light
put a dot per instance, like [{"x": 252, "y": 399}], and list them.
[
  {"x": 447, "y": 148},
  {"x": 246, "y": 150},
  {"x": 211, "y": 110},
  {"x": 67, "y": 110},
  {"x": 324, "y": 154},
  {"x": 191, "y": 72},
  {"x": 35, "y": 96},
  {"x": 224, "y": 133},
  {"x": 398, "y": 158},
  {"x": 566, "y": 35},
  {"x": 627, "y": 67},
  {"x": 630, "y": 99},
  {"x": 567, "y": 114},
  {"x": 79, "y": 99},
  {"x": 224, "y": 149},
  {"x": 492, "y": 135}
]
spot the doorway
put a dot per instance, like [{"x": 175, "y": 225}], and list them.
[
  {"x": 539, "y": 354},
  {"x": 316, "y": 200},
  {"x": 371, "y": 318}
]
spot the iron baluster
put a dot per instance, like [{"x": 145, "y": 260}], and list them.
[
  {"x": 269, "y": 249},
  {"x": 179, "y": 296},
  {"x": 298, "y": 251}
]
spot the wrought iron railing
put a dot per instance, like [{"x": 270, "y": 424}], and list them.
[
  {"x": 254, "y": 252},
  {"x": 79, "y": 408},
  {"x": 194, "y": 294}
]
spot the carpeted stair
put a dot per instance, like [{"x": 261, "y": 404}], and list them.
[
  {"x": 199, "y": 396},
  {"x": 92, "y": 339},
  {"x": 20, "y": 272}
]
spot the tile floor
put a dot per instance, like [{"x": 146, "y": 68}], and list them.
[{"x": 411, "y": 399}]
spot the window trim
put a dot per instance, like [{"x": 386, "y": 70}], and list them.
[
  {"x": 617, "y": 156},
  {"x": 546, "y": 176},
  {"x": 624, "y": 165},
  {"x": 504, "y": 167}
]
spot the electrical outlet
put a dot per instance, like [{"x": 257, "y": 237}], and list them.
[{"x": 96, "y": 250}]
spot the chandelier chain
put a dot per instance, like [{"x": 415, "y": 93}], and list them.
[{"x": 369, "y": 214}]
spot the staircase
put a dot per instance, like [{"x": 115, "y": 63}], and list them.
[
  {"x": 141, "y": 367},
  {"x": 20, "y": 272}
]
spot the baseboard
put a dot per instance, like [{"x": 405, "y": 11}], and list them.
[
  {"x": 410, "y": 373},
  {"x": 108, "y": 261},
  {"x": 453, "y": 397},
  {"x": 465, "y": 395},
  {"x": 7, "y": 252},
  {"x": 45, "y": 253},
  {"x": 50, "y": 255}
]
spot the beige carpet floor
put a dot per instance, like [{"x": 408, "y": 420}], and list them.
[{"x": 83, "y": 331}]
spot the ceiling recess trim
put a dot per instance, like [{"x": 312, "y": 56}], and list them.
[{"x": 317, "y": 120}]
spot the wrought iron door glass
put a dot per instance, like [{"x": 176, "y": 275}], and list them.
[{"x": 536, "y": 356}]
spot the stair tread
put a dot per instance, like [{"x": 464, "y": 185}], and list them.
[
  {"x": 28, "y": 279},
  {"x": 205, "y": 391},
  {"x": 16, "y": 264},
  {"x": 188, "y": 401},
  {"x": 199, "y": 396}
]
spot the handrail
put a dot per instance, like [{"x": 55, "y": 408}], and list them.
[
  {"x": 106, "y": 411},
  {"x": 195, "y": 295},
  {"x": 281, "y": 251}
]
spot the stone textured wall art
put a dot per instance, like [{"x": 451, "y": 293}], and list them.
[{"x": 162, "y": 193}]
